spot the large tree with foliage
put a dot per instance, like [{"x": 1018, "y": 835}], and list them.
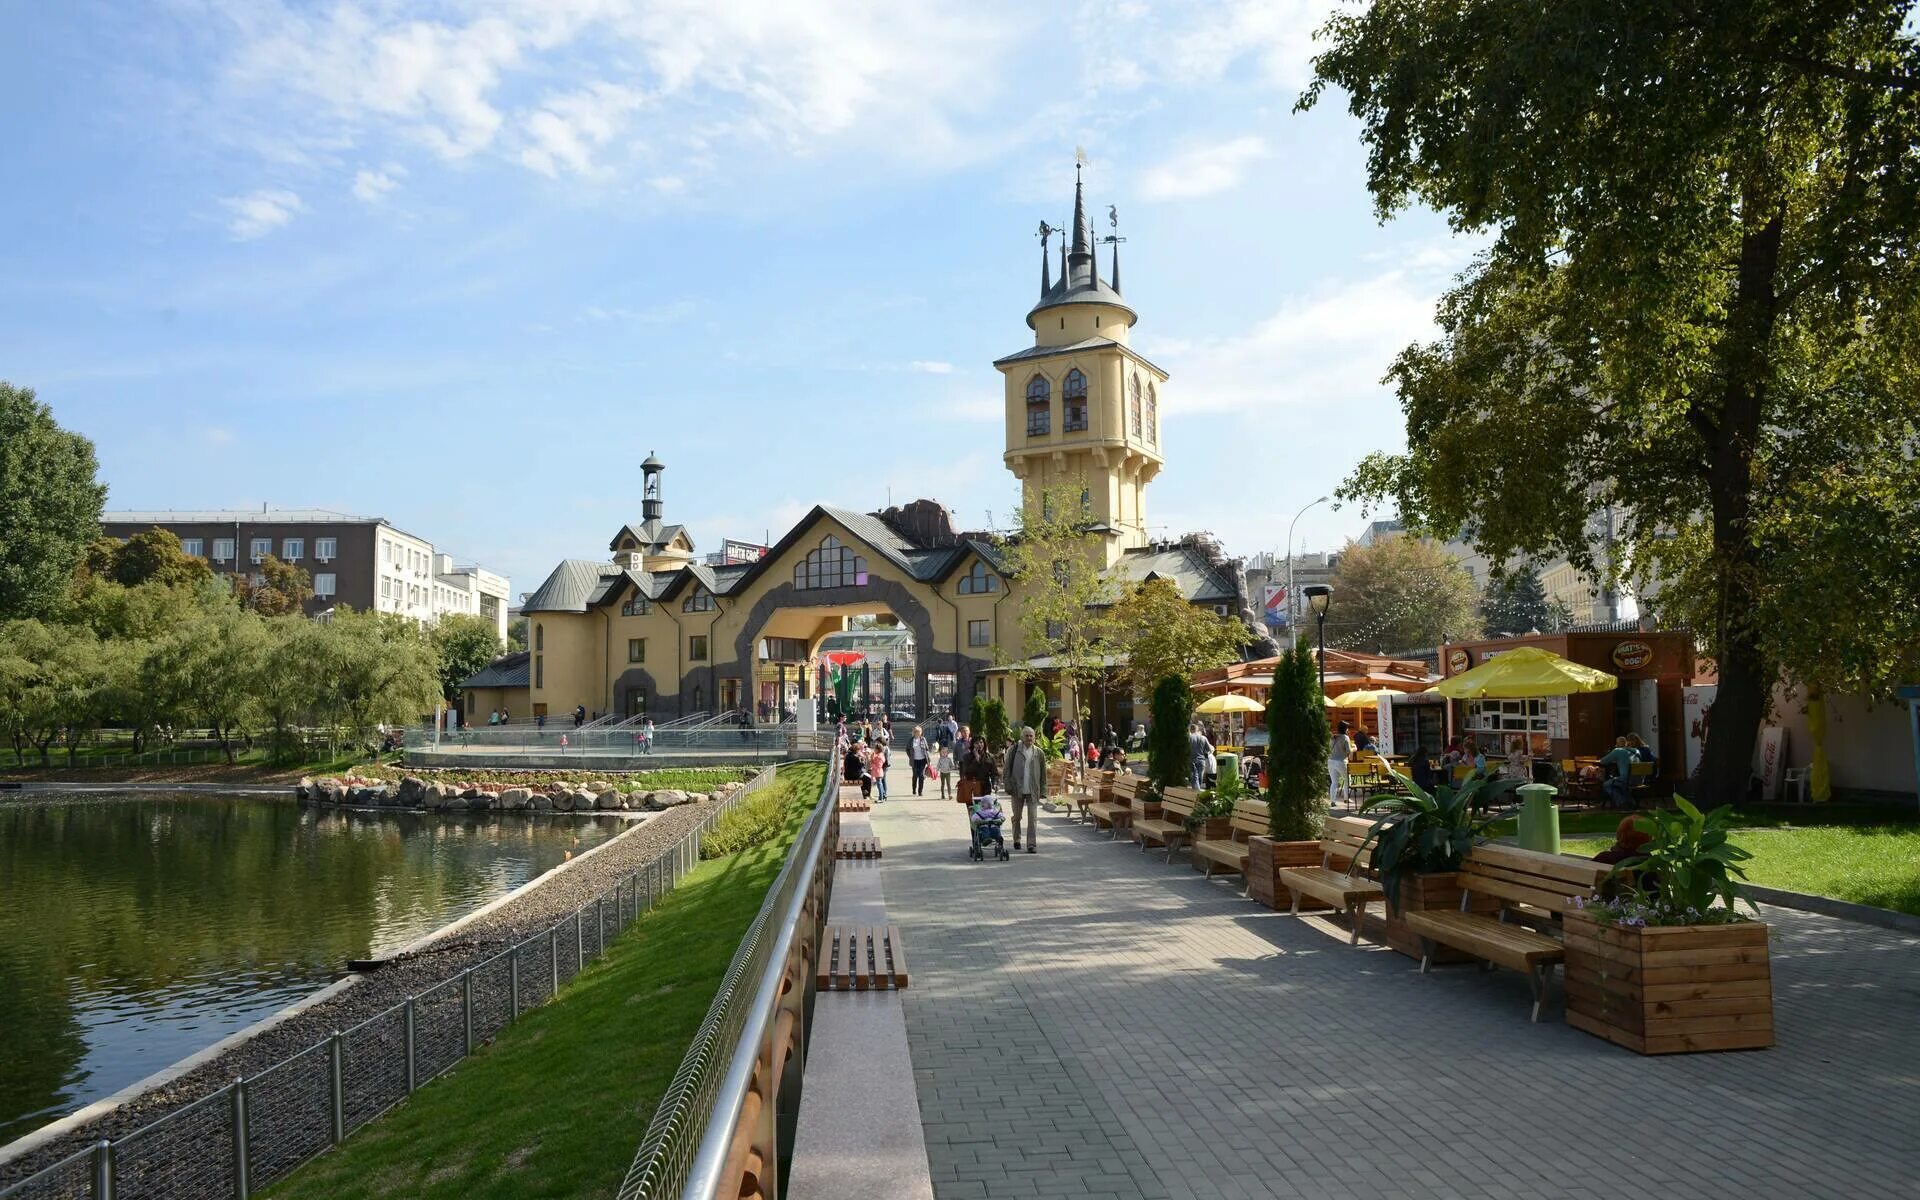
[
  {"x": 1297, "y": 740},
  {"x": 1169, "y": 756},
  {"x": 1701, "y": 303},
  {"x": 49, "y": 505},
  {"x": 1162, "y": 634},
  {"x": 152, "y": 556},
  {"x": 283, "y": 589},
  {"x": 1402, "y": 593},
  {"x": 1516, "y": 603},
  {"x": 1056, "y": 563},
  {"x": 465, "y": 643}
]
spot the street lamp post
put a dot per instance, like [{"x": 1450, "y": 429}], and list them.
[
  {"x": 1292, "y": 631},
  {"x": 1320, "y": 599}
]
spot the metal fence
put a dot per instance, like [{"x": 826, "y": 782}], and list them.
[
  {"x": 602, "y": 741},
  {"x": 251, "y": 1132}
]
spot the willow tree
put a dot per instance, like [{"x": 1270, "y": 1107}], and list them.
[{"x": 1699, "y": 303}]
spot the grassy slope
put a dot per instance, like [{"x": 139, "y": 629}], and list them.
[
  {"x": 557, "y": 1106},
  {"x": 1877, "y": 865}
]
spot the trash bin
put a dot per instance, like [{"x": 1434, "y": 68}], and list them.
[
  {"x": 1228, "y": 763},
  {"x": 1539, "y": 818}
]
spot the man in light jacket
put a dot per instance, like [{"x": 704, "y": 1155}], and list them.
[{"x": 1026, "y": 777}]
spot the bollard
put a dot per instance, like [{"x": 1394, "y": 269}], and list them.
[
  {"x": 412, "y": 1078},
  {"x": 335, "y": 1055},
  {"x": 600, "y": 926},
  {"x": 579, "y": 939},
  {"x": 553, "y": 957},
  {"x": 103, "y": 1180},
  {"x": 240, "y": 1139}
]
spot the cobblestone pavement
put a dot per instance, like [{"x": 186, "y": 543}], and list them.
[{"x": 1089, "y": 1021}]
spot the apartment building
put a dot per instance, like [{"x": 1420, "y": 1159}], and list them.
[{"x": 363, "y": 562}]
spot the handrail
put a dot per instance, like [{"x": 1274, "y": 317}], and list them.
[{"x": 690, "y": 1144}]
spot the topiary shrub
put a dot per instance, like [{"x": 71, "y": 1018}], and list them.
[
  {"x": 995, "y": 726},
  {"x": 1169, "y": 761},
  {"x": 977, "y": 716},
  {"x": 1035, "y": 714},
  {"x": 1297, "y": 740}
]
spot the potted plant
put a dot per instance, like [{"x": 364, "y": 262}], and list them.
[
  {"x": 1296, "y": 779},
  {"x": 1212, "y": 818},
  {"x": 1418, "y": 841},
  {"x": 1663, "y": 961}
]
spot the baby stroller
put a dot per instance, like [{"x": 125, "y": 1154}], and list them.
[{"x": 984, "y": 816}]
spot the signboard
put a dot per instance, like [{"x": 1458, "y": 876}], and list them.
[
  {"x": 1386, "y": 724},
  {"x": 1458, "y": 661},
  {"x": 1557, "y": 725},
  {"x": 1696, "y": 708},
  {"x": 1771, "y": 761},
  {"x": 732, "y": 551},
  {"x": 1275, "y": 605},
  {"x": 1632, "y": 656}
]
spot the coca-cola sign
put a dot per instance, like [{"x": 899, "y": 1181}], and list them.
[{"x": 1632, "y": 656}]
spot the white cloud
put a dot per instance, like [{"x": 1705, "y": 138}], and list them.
[
  {"x": 259, "y": 213},
  {"x": 653, "y": 314},
  {"x": 1276, "y": 34},
  {"x": 566, "y": 130},
  {"x": 1202, "y": 170},
  {"x": 372, "y": 186},
  {"x": 930, "y": 368}
]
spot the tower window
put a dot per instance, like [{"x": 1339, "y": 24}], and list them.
[
  {"x": 1073, "y": 398},
  {"x": 1135, "y": 405},
  {"x": 1039, "y": 407},
  {"x": 979, "y": 581},
  {"x": 700, "y": 600},
  {"x": 1153, "y": 414},
  {"x": 831, "y": 565}
]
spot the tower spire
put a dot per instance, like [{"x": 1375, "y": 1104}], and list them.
[
  {"x": 1080, "y": 258},
  {"x": 1046, "y": 281},
  {"x": 1113, "y": 219}
]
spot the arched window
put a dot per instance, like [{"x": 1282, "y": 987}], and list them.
[
  {"x": 636, "y": 606},
  {"x": 1073, "y": 396},
  {"x": 1135, "y": 390},
  {"x": 698, "y": 600},
  {"x": 832, "y": 565},
  {"x": 1086, "y": 502},
  {"x": 1153, "y": 414},
  {"x": 979, "y": 581},
  {"x": 1039, "y": 407},
  {"x": 539, "y": 637}
]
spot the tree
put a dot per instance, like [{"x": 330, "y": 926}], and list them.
[
  {"x": 283, "y": 589},
  {"x": 384, "y": 669},
  {"x": 1163, "y": 634},
  {"x": 1169, "y": 756},
  {"x": 49, "y": 505},
  {"x": 977, "y": 713},
  {"x": 1034, "y": 715},
  {"x": 1296, "y": 748},
  {"x": 465, "y": 642},
  {"x": 1400, "y": 594},
  {"x": 1515, "y": 603},
  {"x": 1056, "y": 563},
  {"x": 1701, "y": 305},
  {"x": 47, "y": 674},
  {"x": 212, "y": 667},
  {"x": 154, "y": 556},
  {"x": 995, "y": 726},
  {"x": 517, "y": 634}
]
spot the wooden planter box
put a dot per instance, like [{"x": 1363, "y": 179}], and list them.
[
  {"x": 1265, "y": 857},
  {"x": 1213, "y": 829},
  {"x": 1439, "y": 890},
  {"x": 1670, "y": 990}
]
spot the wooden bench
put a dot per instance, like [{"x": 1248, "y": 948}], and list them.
[
  {"x": 1230, "y": 853},
  {"x": 1168, "y": 827},
  {"x": 1081, "y": 791},
  {"x": 1525, "y": 882},
  {"x": 1114, "y": 808},
  {"x": 861, "y": 958},
  {"x": 1347, "y": 888}
]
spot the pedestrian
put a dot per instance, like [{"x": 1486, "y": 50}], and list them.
[
  {"x": 978, "y": 771},
  {"x": 1618, "y": 762},
  {"x": 540, "y": 719},
  {"x": 877, "y": 766},
  {"x": 918, "y": 755},
  {"x": 563, "y": 743},
  {"x": 1026, "y": 776},
  {"x": 1199, "y": 750},
  {"x": 943, "y": 766},
  {"x": 962, "y": 742},
  {"x": 746, "y": 724},
  {"x": 579, "y": 715},
  {"x": 1339, "y": 750}
]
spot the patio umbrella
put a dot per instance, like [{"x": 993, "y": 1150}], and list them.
[
  {"x": 1230, "y": 704},
  {"x": 1524, "y": 673},
  {"x": 1360, "y": 698}
]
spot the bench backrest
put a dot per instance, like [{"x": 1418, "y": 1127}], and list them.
[
  {"x": 1341, "y": 839},
  {"x": 1530, "y": 877},
  {"x": 1249, "y": 820},
  {"x": 1178, "y": 803},
  {"x": 1124, "y": 787}
]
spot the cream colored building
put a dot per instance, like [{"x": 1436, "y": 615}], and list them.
[{"x": 656, "y": 629}]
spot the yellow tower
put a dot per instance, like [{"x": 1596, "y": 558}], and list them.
[{"x": 1083, "y": 409}]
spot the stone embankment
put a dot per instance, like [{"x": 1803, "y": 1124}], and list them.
[{"x": 417, "y": 793}]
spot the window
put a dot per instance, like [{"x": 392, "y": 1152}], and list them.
[
  {"x": 1153, "y": 414},
  {"x": 697, "y": 648},
  {"x": 323, "y": 585},
  {"x": 1086, "y": 502},
  {"x": 979, "y": 633},
  {"x": 539, "y": 637},
  {"x": 193, "y": 546},
  {"x": 539, "y": 671},
  {"x": 636, "y": 649},
  {"x": 979, "y": 581},
  {"x": 1134, "y": 405},
  {"x": 386, "y": 588},
  {"x": 222, "y": 549},
  {"x": 699, "y": 600},
  {"x": 1039, "y": 407},
  {"x": 326, "y": 549},
  {"x": 261, "y": 548},
  {"x": 783, "y": 649},
  {"x": 293, "y": 549},
  {"x": 832, "y": 565},
  {"x": 1073, "y": 394},
  {"x": 636, "y": 606},
  {"x": 1056, "y": 631}
]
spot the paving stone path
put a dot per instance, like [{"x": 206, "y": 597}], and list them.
[{"x": 1090, "y": 1021}]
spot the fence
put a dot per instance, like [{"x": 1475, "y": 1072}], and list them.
[
  {"x": 255, "y": 1130},
  {"x": 604, "y": 741}
]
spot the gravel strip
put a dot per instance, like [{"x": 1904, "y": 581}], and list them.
[{"x": 533, "y": 911}]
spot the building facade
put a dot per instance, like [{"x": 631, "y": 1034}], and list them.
[
  {"x": 657, "y": 629},
  {"x": 366, "y": 563}
]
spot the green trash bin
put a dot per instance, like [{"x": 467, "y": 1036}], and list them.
[
  {"x": 1228, "y": 763},
  {"x": 1539, "y": 818}
]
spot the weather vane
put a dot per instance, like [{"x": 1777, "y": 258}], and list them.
[{"x": 1113, "y": 221}]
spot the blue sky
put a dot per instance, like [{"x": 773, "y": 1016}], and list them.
[{"x": 464, "y": 264}]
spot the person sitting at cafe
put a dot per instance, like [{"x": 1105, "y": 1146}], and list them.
[
  {"x": 1618, "y": 764},
  {"x": 1640, "y": 749},
  {"x": 1424, "y": 775},
  {"x": 1362, "y": 741}
]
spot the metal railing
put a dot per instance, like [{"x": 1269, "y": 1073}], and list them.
[
  {"x": 256, "y": 1129},
  {"x": 735, "y": 1099},
  {"x": 589, "y": 742}
]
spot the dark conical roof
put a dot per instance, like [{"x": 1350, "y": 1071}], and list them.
[
  {"x": 654, "y": 462},
  {"x": 1080, "y": 281}
]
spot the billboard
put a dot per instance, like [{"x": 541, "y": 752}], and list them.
[{"x": 1274, "y": 606}]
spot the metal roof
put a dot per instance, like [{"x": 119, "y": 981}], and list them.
[
  {"x": 1036, "y": 353},
  {"x": 509, "y": 670},
  {"x": 1196, "y": 578},
  {"x": 571, "y": 587}
]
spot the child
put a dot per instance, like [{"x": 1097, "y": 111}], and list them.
[
  {"x": 877, "y": 768},
  {"x": 943, "y": 766},
  {"x": 983, "y": 817}
]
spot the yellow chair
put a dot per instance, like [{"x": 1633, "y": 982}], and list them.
[{"x": 1461, "y": 771}]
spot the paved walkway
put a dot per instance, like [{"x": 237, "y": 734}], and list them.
[{"x": 1089, "y": 1021}]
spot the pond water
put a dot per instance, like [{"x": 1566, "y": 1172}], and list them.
[{"x": 138, "y": 930}]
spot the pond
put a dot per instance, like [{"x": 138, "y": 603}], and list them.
[{"x": 137, "y": 930}]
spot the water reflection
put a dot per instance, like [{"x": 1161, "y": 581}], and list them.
[{"x": 136, "y": 932}]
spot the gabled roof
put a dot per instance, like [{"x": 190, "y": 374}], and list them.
[
  {"x": 649, "y": 534},
  {"x": 1185, "y": 566},
  {"x": 509, "y": 670},
  {"x": 571, "y": 587}
]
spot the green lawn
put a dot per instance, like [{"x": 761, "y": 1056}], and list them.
[
  {"x": 1871, "y": 864},
  {"x": 558, "y": 1104}
]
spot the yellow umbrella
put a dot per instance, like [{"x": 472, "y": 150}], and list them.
[
  {"x": 1231, "y": 704},
  {"x": 1360, "y": 698},
  {"x": 1526, "y": 672}
]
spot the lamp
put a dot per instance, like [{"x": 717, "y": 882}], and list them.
[
  {"x": 1293, "y": 636},
  {"x": 1320, "y": 599}
]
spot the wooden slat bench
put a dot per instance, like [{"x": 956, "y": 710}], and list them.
[
  {"x": 1114, "y": 809},
  {"x": 1083, "y": 791},
  {"x": 858, "y": 847},
  {"x": 861, "y": 958},
  {"x": 1526, "y": 881},
  {"x": 1340, "y": 880},
  {"x": 1168, "y": 827},
  {"x": 1230, "y": 853}
]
